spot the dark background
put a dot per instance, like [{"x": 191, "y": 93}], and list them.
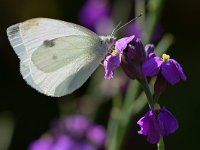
[{"x": 33, "y": 112}]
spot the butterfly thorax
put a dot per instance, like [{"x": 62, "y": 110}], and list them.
[{"x": 109, "y": 41}]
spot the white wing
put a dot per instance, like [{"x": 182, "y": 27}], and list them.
[{"x": 30, "y": 36}]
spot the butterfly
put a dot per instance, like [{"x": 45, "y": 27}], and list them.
[{"x": 57, "y": 57}]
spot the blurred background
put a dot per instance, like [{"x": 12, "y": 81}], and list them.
[{"x": 26, "y": 114}]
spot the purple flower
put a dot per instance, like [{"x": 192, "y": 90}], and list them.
[
  {"x": 170, "y": 69},
  {"x": 72, "y": 133},
  {"x": 61, "y": 142},
  {"x": 97, "y": 135},
  {"x": 72, "y": 125},
  {"x": 94, "y": 14},
  {"x": 41, "y": 144},
  {"x": 156, "y": 124},
  {"x": 129, "y": 51}
]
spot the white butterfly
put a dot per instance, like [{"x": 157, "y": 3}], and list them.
[{"x": 57, "y": 57}]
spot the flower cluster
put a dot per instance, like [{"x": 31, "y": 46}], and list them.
[
  {"x": 72, "y": 133},
  {"x": 139, "y": 62},
  {"x": 137, "y": 57}
]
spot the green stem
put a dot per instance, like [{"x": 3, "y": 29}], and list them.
[
  {"x": 120, "y": 118},
  {"x": 112, "y": 131},
  {"x": 126, "y": 113},
  {"x": 147, "y": 91},
  {"x": 155, "y": 8},
  {"x": 156, "y": 98},
  {"x": 161, "y": 144},
  {"x": 132, "y": 92},
  {"x": 113, "y": 122}
]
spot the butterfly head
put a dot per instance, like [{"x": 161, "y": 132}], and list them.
[{"x": 109, "y": 41}]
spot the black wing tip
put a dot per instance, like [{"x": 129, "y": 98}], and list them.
[{"x": 13, "y": 30}]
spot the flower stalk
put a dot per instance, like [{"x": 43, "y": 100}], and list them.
[
  {"x": 161, "y": 144},
  {"x": 147, "y": 91}
]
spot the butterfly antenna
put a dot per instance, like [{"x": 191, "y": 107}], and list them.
[{"x": 115, "y": 30}]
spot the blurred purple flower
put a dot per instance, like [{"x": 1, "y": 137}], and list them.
[
  {"x": 76, "y": 125},
  {"x": 157, "y": 35},
  {"x": 156, "y": 124},
  {"x": 72, "y": 133},
  {"x": 61, "y": 142},
  {"x": 170, "y": 69},
  {"x": 97, "y": 135},
  {"x": 42, "y": 144},
  {"x": 96, "y": 15},
  {"x": 134, "y": 29}
]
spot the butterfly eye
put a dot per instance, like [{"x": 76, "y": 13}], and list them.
[{"x": 112, "y": 40}]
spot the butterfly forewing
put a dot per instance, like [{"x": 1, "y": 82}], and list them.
[{"x": 56, "y": 57}]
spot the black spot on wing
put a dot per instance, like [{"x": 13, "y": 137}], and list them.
[
  {"x": 49, "y": 43},
  {"x": 55, "y": 57}
]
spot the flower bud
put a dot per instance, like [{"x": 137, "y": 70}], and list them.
[
  {"x": 133, "y": 56},
  {"x": 149, "y": 49},
  {"x": 160, "y": 85}
]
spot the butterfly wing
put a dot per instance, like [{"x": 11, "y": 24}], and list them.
[{"x": 56, "y": 57}]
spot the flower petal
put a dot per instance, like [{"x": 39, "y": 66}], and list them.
[
  {"x": 143, "y": 126},
  {"x": 152, "y": 66},
  {"x": 170, "y": 72},
  {"x": 122, "y": 43},
  {"x": 150, "y": 127},
  {"x": 179, "y": 68},
  {"x": 135, "y": 51},
  {"x": 168, "y": 123},
  {"x": 154, "y": 134},
  {"x": 110, "y": 64}
]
